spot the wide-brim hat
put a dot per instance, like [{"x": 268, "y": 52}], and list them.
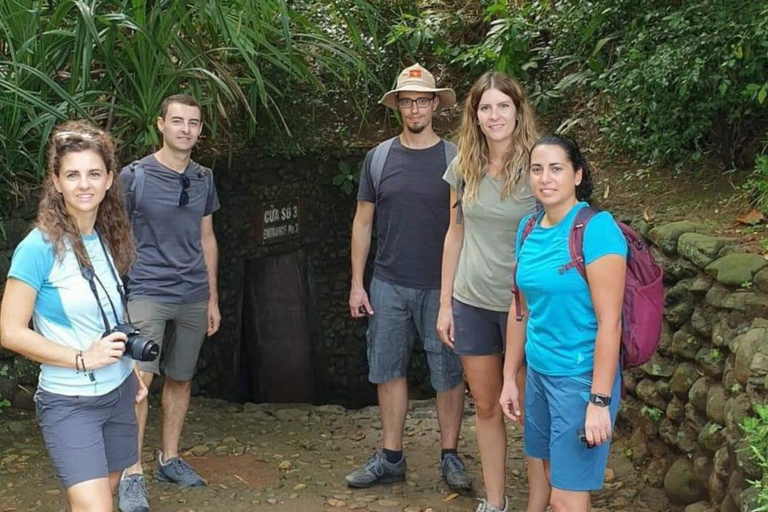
[{"x": 417, "y": 79}]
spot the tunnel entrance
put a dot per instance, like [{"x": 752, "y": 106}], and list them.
[{"x": 275, "y": 363}]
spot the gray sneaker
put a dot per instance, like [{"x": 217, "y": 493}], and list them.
[
  {"x": 177, "y": 471},
  {"x": 377, "y": 471},
  {"x": 454, "y": 472},
  {"x": 484, "y": 506},
  {"x": 132, "y": 494}
]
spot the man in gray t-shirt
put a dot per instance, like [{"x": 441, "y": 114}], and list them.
[
  {"x": 172, "y": 285},
  {"x": 411, "y": 201}
]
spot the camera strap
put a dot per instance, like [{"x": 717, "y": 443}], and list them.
[
  {"x": 89, "y": 274},
  {"x": 120, "y": 289}
]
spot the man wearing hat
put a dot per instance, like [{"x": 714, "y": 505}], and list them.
[{"x": 402, "y": 182}]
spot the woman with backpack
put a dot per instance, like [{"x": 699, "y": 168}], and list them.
[
  {"x": 490, "y": 195},
  {"x": 64, "y": 277},
  {"x": 567, "y": 328}
]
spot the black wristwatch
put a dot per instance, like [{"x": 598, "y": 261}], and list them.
[{"x": 599, "y": 400}]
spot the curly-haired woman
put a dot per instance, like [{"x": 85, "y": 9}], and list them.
[{"x": 64, "y": 277}]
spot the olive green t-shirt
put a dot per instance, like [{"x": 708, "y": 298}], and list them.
[{"x": 484, "y": 274}]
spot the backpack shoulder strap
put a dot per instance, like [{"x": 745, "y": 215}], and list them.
[
  {"x": 576, "y": 241},
  {"x": 379, "y": 158},
  {"x": 529, "y": 226},
  {"x": 207, "y": 175},
  {"x": 450, "y": 151},
  {"x": 137, "y": 186}
]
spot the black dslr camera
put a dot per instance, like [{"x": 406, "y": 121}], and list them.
[{"x": 137, "y": 347}]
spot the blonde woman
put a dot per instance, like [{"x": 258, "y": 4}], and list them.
[{"x": 489, "y": 197}]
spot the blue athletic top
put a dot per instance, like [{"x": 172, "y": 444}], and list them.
[
  {"x": 562, "y": 325},
  {"x": 66, "y": 311}
]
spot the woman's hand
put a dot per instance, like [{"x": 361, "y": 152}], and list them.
[
  {"x": 445, "y": 325},
  {"x": 108, "y": 350},
  {"x": 142, "y": 391},
  {"x": 597, "y": 426},
  {"x": 510, "y": 401}
]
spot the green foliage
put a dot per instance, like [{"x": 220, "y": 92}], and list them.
[
  {"x": 4, "y": 403},
  {"x": 668, "y": 82},
  {"x": 756, "y": 431},
  {"x": 347, "y": 178},
  {"x": 112, "y": 62},
  {"x": 651, "y": 412},
  {"x": 757, "y": 184}
]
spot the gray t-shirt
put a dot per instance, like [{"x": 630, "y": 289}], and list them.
[
  {"x": 484, "y": 274},
  {"x": 170, "y": 266},
  {"x": 412, "y": 214}
]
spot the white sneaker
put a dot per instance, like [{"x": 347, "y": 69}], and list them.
[{"x": 484, "y": 506}]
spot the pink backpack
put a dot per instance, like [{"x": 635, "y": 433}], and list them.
[{"x": 643, "y": 291}]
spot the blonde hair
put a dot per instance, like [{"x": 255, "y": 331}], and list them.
[
  {"x": 112, "y": 222},
  {"x": 473, "y": 147}
]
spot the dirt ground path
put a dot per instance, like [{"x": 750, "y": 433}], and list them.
[{"x": 294, "y": 458}]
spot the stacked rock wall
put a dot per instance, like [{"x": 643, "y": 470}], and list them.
[{"x": 686, "y": 405}]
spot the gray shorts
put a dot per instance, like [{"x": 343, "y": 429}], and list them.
[
  {"x": 179, "y": 329},
  {"x": 478, "y": 331},
  {"x": 400, "y": 315},
  {"x": 89, "y": 437}
]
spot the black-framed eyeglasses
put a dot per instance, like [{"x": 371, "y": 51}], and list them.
[
  {"x": 422, "y": 102},
  {"x": 183, "y": 196}
]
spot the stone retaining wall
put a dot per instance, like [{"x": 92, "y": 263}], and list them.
[{"x": 687, "y": 404}]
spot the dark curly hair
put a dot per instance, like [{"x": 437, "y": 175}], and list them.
[
  {"x": 112, "y": 222},
  {"x": 578, "y": 161}
]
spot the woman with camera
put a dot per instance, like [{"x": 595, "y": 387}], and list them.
[
  {"x": 566, "y": 326},
  {"x": 64, "y": 277}
]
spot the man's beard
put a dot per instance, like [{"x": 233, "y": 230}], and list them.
[{"x": 415, "y": 130}]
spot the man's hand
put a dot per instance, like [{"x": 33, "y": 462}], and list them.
[
  {"x": 214, "y": 317},
  {"x": 142, "y": 391},
  {"x": 445, "y": 325},
  {"x": 358, "y": 300}
]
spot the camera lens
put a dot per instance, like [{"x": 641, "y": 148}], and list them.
[{"x": 141, "y": 349}]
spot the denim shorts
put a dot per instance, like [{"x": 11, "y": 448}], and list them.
[
  {"x": 179, "y": 329},
  {"x": 555, "y": 410},
  {"x": 400, "y": 315},
  {"x": 478, "y": 331},
  {"x": 89, "y": 437}
]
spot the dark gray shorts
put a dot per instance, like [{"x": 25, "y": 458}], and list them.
[
  {"x": 89, "y": 437},
  {"x": 179, "y": 329},
  {"x": 400, "y": 315},
  {"x": 478, "y": 331}
]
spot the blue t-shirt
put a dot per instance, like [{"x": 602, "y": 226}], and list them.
[
  {"x": 170, "y": 263},
  {"x": 66, "y": 311},
  {"x": 562, "y": 325}
]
